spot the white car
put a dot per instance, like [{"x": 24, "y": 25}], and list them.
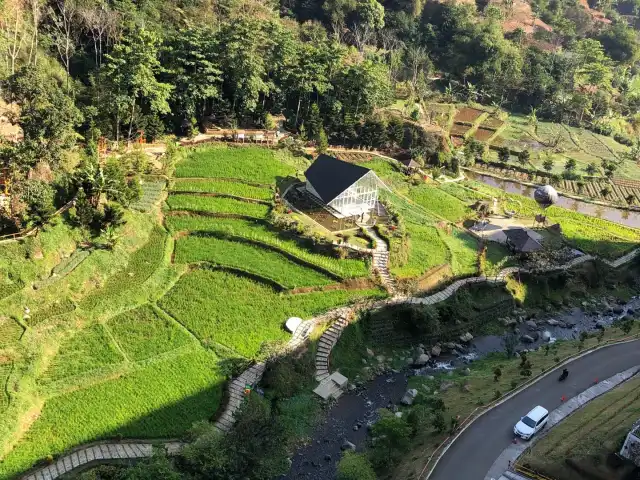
[{"x": 531, "y": 423}]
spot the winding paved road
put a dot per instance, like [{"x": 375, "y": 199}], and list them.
[{"x": 472, "y": 455}]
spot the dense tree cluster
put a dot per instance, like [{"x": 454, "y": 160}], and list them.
[{"x": 163, "y": 66}]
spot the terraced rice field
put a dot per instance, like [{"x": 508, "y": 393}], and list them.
[
  {"x": 467, "y": 114},
  {"x": 240, "y": 313},
  {"x": 217, "y": 205},
  {"x": 147, "y": 332},
  {"x": 10, "y": 332},
  {"x": 142, "y": 264},
  {"x": 561, "y": 141},
  {"x": 222, "y": 187},
  {"x": 253, "y": 164},
  {"x": 354, "y": 157},
  {"x": 459, "y": 130},
  {"x": 440, "y": 202},
  {"x": 263, "y": 233},
  {"x": 250, "y": 258},
  {"x": 492, "y": 123},
  {"x": 177, "y": 392},
  {"x": 87, "y": 350},
  {"x": 483, "y": 134},
  {"x": 426, "y": 250},
  {"x": 151, "y": 194}
]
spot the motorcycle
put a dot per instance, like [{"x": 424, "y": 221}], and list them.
[{"x": 563, "y": 375}]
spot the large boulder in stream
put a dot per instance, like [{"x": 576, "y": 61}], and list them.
[
  {"x": 526, "y": 339},
  {"x": 347, "y": 445},
  {"x": 421, "y": 360},
  {"x": 466, "y": 337},
  {"x": 546, "y": 335},
  {"x": 531, "y": 325},
  {"x": 409, "y": 396},
  {"x": 436, "y": 351}
]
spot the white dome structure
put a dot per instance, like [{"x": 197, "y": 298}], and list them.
[
  {"x": 545, "y": 195},
  {"x": 292, "y": 324}
]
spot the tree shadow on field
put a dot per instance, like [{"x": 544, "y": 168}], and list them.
[
  {"x": 169, "y": 422},
  {"x": 282, "y": 183}
]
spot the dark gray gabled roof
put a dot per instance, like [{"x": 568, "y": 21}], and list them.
[
  {"x": 409, "y": 163},
  {"x": 330, "y": 176},
  {"x": 521, "y": 240}
]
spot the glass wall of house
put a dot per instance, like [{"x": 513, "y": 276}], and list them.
[{"x": 359, "y": 198}]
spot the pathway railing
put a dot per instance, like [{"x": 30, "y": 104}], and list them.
[{"x": 33, "y": 230}]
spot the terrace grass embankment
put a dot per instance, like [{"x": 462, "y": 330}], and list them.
[
  {"x": 252, "y": 258},
  {"x": 221, "y": 205},
  {"x": 425, "y": 250},
  {"x": 142, "y": 264},
  {"x": 222, "y": 187},
  {"x": 260, "y": 232},
  {"x": 241, "y": 314},
  {"x": 146, "y": 332},
  {"x": 253, "y": 164},
  {"x": 440, "y": 202},
  {"x": 86, "y": 350},
  {"x": 185, "y": 389}
]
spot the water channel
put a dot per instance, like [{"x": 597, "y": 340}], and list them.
[{"x": 629, "y": 218}]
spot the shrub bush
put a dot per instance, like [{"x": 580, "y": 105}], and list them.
[{"x": 355, "y": 466}]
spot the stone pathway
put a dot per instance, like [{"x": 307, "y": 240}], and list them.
[
  {"x": 96, "y": 453},
  {"x": 622, "y": 260},
  {"x": 252, "y": 376},
  {"x": 331, "y": 336},
  {"x": 380, "y": 261}
]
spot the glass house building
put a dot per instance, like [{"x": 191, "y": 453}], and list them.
[{"x": 345, "y": 188}]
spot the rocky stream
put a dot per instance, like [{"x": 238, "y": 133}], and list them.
[{"x": 346, "y": 421}]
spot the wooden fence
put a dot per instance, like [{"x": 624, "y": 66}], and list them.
[{"x": 33, "y": 230}]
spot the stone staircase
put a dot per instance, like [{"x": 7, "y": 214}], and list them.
[
  {"x": 327, "y": 341},
  {"x": 252, "y": 376},
  {"x": 380, "y": 261},
  {"x": 235, "y": 392}
]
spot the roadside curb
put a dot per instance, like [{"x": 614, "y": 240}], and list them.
[{"x": 510, "y": 395}]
